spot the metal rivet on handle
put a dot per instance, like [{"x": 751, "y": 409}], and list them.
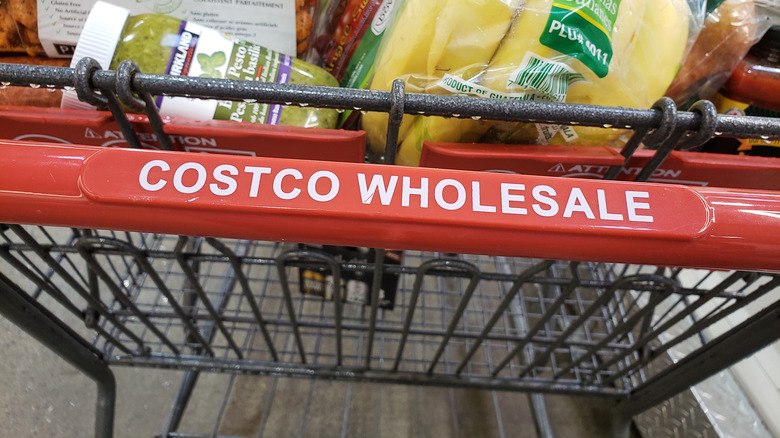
[
  {"x": 664, "y": 139},
  {"x": 125, "y": 74},
  {"x": 82, "y": 79},
  {"x": 706, "y": 128},
  {"x": 395, "y": 116},
  {"x": 667, "y": 126}
]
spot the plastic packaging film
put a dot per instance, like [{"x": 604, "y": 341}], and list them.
[
  {"x": 604, "y": 52},
  {"x": 730, "y": 29}
]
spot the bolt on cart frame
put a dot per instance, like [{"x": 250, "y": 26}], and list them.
[{"x": 207, "y": 282}]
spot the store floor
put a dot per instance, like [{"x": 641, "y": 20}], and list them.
[{"x": 42, "y": 396}]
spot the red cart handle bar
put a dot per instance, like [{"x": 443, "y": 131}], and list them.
[{"x": 382, "y": 206}]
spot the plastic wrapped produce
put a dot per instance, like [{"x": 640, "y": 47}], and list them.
[{"x": 602, "y": 52}]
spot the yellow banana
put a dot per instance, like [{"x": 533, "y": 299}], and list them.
[
  {"x": 648, "y": 42},
  {"x": 467, "y": 34},
  {"x": 402, "y": 56},
  {"x": 651, "y": 50},
  {"x": 480, "y": 42}
]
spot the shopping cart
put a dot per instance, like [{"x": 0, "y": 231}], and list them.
[{"x": 113, "y": 257}]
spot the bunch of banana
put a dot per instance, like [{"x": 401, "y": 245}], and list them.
[
  {"x": 429, "y": 39},
  {"x": 497, "y": 45}
]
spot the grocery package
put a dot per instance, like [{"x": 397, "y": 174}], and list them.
[
  {"x": 162, "y": 44},
  {"x": 346, "y": 39},
  {"x": 753, "y": 89},
  {"x": 279, "y": 25},
  {"x": 730, "y": 29},
  {"x": 601, "y": 52},
  {"x": 304, "y": 9},
  {"x": 355, "y": 286},
  {"x": 19, "y": 27},
  {"x": 347, "y": 36}
]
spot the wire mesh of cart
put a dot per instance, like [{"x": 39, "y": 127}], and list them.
[{"x": 500, "y": 282}]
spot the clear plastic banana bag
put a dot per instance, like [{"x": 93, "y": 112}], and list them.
[
  {"x": 598, "y": 52},
  {"x": 731, "y": 28}
]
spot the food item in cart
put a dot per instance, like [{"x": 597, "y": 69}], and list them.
[
  {"x": 346, "y": 38},
  {"x": 162, "y": 44},
  {"x": 19, "y": 27},
  {"x": 728, "y": 33},
  {"x": 753, "y": 89},
  {"x": 303, "y": 25},
  {"x": 603, "y": 52},
  {"x": 345, "y": 29},
  {"x": 28, "y": 96},
  {"x": 431, "y": 39}
]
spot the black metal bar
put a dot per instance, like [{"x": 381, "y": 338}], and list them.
[
  {"x": 376, "y": 285},
  {"x": 247, "y": 291},
  {"x": 395, "y": 116},
  {"x": 190, "y": 377},
  {"x": 143, "y": 262},
  {"x": 519, "y": 282},
  {"x": 627, "y": 324},
  {"x": 337, "y": 305},
  {"x": 706, "y": 129},
  {"x": 710, "y": 319},
  {"x": 757, "y": 332},
  {"x": 372, "y": 100},
  {"x": 196, "y": 286},
  {"x": 83, "y": 75},
  {"x": 283, "y": 279},
  {"x": 464, "y": 301},
  {"x": 733, "y": 278},
  {"x": 422, "y": 270},
  {"x": 48, "y": 286},
  {"x": 78, "y": 288},
  {"x": 627, "y": 152},
  {"x": 356, "y": 267},
  {"x": 584, "y": 316},
  {"x": 359, "y": 374},
  {"x": 43, "y": 283},
  {"x": 120, "y": 296},
  {"x": 551, "y": 311},
  {"x": 41, "y": 324},
  {"x": 386, "y": 329}
]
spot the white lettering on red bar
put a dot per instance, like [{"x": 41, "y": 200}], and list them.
[
  {"x": 451, "y": 194},
  {"x": 476, "y": 205},
  {"x": 633, "y": 206},
  {"x": 257, "y": 173},
  {"x": 377, "y": 184},
  {"x": 577, "y": 203},
  {"x": 219, "y": 175},
  {"x": 407, "y": 191},
  {"x": 539, "y": 193},
  {"x": 603, "y": 213},
  {"x": 507, "y": 197},
  {"x": 439, "y": 194},
  {"x": 143, "y": 177},
  {"x": 178, "y": 178},
  {"x": 334, "y": 186},
  {"x": 281, "y": 194}
]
